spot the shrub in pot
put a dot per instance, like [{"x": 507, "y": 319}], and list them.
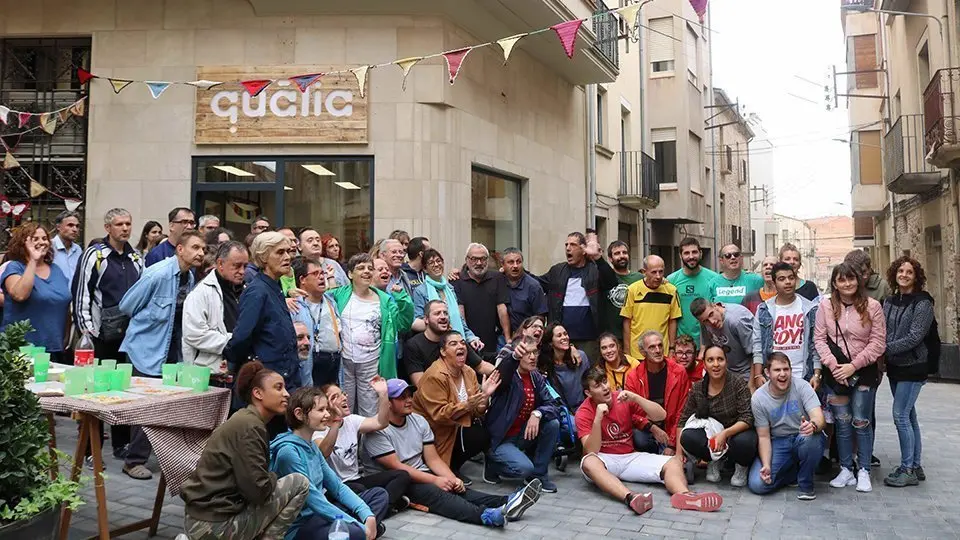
[{"x": 30, "y": 502}]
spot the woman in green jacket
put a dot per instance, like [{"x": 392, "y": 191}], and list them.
[{"x": 371, "y": 320}]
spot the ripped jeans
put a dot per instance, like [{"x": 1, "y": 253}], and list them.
[{"x": 851, "y": 414}]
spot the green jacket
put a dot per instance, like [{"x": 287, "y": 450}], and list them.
[{"x": 396, "y": 313}]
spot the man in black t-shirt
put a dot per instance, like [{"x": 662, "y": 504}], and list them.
[{"x": 420, "y": 351}]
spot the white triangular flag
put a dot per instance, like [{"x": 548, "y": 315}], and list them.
[
  {"x": 361, "y": 74},
  {"x": 72, "y": 204},
  {"x": 507, "y": 45},
  {"x": 204, "y": 84},
  {"x": 4, "y": 111},
  {"x": 629, "y": 14}
]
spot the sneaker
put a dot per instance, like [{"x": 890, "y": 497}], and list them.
[
  {"x": 689, "y": 470},
  {"x": 901, "y": 478},
  {"x": 137, "y": 472},
  {"x": 874, "y": 461},
  {"x": 402, "y": 504},
  {"x": 806, "y": 496},
  {"x": 863, "y": 481},
  {"x": 489, "y": 475},
  {"x": 381, "y": 529},
  {"x": 700, "y": 502},
  {"x": 739, "y": 478},
  {"x": 844, "y": 479},
  {"x": 641, "y": 503},
  {"x": 182, "y": 536},
  {"x": 467, "y": 481},
  {"x": 547, "y": 485},
  {"x": 918, "y": 472},
  {"x": 121, "y": 453},
  {"x": 524, "y": 498},
  {"x": 88, "y": 462},
  {"x": 493, "y": 517},
  {"x": 713, "y": 470}
]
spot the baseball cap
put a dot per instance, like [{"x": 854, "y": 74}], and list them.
[{"x": 396, "y": 387}]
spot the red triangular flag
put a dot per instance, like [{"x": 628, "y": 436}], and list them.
[
  {"x": 567, "y": 32},
  {"x": 255, "y": 87},
  {"x": 455, "y": 60},
  {"x": 84, "y": 76},
  {"x": 24, "y": 117},
  {"x": 304, "y": 81}
]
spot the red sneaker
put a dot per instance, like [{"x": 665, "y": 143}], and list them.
[
  {"x": 641, "y": 503},
  {"x": 701, "y": 502}
]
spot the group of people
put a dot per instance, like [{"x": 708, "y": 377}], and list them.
[{"x": 362, "y": 387}]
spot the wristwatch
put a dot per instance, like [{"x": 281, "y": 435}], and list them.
[{"x": 538, "y": 414}]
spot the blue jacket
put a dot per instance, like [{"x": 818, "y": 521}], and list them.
[
  {"x": 763, "y": 334},
  {"x": 151, "y": 304},
  {"x": 289, "y": 454},
  {"x": 507, "y": 400},
  {"x": 264, "y": 331}
]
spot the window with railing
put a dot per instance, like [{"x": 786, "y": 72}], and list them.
[{"x": 606, "y": 27}]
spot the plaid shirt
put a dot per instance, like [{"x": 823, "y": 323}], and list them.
[{"x": 730, "y": 406}]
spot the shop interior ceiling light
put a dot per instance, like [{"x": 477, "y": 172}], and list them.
[
  {"x": 230, "y": 169},
  {"x": 319, "y": 170},
  {"x": 347, "y": 185}
]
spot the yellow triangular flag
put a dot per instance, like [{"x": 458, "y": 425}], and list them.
[
  {"x": 48, "y": 122},
  {"x": 64, "y": 115},
  {"x": 361, "y": 74},
  {"x": 36, "y": 189},
  {"x": 119, "y": 84},
  {"x": 630, "y": 14},
  {"x": 507, "y": 44},
  {"x": 10, "y": 162},
  {"x": 406, "y": 64},
  {"x": 78, "y": 108}
]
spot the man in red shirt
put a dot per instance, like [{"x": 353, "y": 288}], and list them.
[
  {"x": 605, "y": 423},
  {"x": 685, "y": 354},
  {"x": 665, "y": 383}
]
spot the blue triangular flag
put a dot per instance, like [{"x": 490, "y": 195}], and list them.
[
  {"x": 304, "y": 81},
  {"x": 157, "y": 87}
]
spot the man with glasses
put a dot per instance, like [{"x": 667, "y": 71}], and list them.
[
  {"x": 484, "y": 297},
  {"x": 685, "y": 354},
  {"x": 260, "y": 224},
  {"x": 208, "y": 223},
  {"x": 733, "y": 283},
  {"x": 181, "y": 219},
  {"x": 319, "y": 315},
  {"x": 692, "y": 281}
]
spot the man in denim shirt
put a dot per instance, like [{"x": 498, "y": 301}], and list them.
[
  {"x": 319, "y": 315},
  {"x": 155, "y": 307}
]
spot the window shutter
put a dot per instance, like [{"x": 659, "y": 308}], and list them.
[
  {"x": 865, "y": 58},
  {"x": 664, "y": 135},
  {"x": 690, "y": 46},
  {"x": 661, "y": 39}
]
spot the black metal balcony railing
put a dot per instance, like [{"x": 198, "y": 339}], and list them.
[
  {"x": 639, "y": 176},
  {"x": 606, "y": 26},
  {"x": 904, "y": 149},
  {"x": 939, "y": 109}
]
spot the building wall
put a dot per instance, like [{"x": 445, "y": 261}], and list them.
[
  {"x": 521, "y": 119},
  {"x": 832, "y": 239},
  {"x": 733, "y": 181}
]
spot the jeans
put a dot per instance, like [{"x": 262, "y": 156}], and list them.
[
  {"x": 395, "y": 482},
  {"x": 517, "y": 457},
  {"x": 466, "y": 507},
  {"x": 794, "y": 458},
  {"x": 470, "y": 441},
  {"x": 318, "y": 528},
  {"x": 644, "y": 441},
  {"x": 854, "y": 417},
  {"x": 905, "y": 394},
  {"x": 325, "y": 368},
  {"x": 741, "y": 448}
]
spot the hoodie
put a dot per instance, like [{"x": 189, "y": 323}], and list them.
[
  {"x": 289, "y": 454},
  {"x": 908, "y": 318},
  {"x": 877, "y": 287}
]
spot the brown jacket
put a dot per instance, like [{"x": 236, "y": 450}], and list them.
[{"x": 436, "y": 400}]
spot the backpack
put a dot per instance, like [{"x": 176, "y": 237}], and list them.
[{"x": 932, "y": 341}]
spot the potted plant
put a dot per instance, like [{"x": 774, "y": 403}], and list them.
[{"x": 30, "y": 502}]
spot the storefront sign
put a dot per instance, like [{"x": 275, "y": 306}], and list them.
[{"x": 331, "y": 111}]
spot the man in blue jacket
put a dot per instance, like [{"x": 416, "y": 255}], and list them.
[
  {"x": 155, "y": 307},
  {"x": 522, "y": 421}
]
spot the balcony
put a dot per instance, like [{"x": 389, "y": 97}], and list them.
[
  {"x": 595, "y": 61},
  {"x": 606, "y": 26},
  {"x": 639, "y": 181},
  {"x": 905, "y": 168},
  {"x": 895, "y": 5},
  {"x": 940, "y": 114}
]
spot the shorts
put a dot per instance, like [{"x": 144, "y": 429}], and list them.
[{"x": 638, "y": 467}]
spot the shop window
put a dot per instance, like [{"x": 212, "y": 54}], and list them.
[{"x": 496, "y": 210}]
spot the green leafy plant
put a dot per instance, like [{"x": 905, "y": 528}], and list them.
[{"x": 25, "y": 485}]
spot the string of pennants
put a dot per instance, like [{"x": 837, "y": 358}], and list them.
[{"x": 565, "y": 31}]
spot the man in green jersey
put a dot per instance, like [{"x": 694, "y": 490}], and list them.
[
  {"x": 691, "y": 281},
  {"x": 733, "y": 283}
]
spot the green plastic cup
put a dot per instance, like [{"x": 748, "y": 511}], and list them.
[
  {"x": 127, "y": 371},
  {"x": 75, "y": 382},
  {"x": 116, "y": 380},
  {"x": 89, "y": 375},
  {"x": 41, "y": 367},
  {"x": 170, "y": 374},
  {"x": 96, "y": 362},
  {"x": 109, "y": 364},
  {"x": 27, "y": 350},
  {"x": 101, "y": 379},
  {"x": 196, "y": 377}
]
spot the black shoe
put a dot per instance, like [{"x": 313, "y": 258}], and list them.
[
  {"x": 381, "y": 529},
  {"x": 489, "y": 475},
  {"x": 874, "y": 462},
  {"x": 121, "y": 453}
]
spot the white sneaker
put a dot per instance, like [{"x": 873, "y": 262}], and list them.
[
  {"x": 739, "y": 478},
  {"x": 863, "y": 481},
  {"x": 713, "y": 470},
  {"x": 844, "y": 479}
]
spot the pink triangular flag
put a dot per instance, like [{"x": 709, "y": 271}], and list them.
[
  {"x": 255, "y": 87},
  {"x": 304, "y": 81},
  {"x": 567, "y": 32},
  {"x": 700, "y": 6},
  {"x": 23, "y": 117},
  {"x": 455, "y": 60}
]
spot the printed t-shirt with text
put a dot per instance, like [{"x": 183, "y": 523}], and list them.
[
  {"x": 616, "y": 430},
  {"x": 732, "y": 291},
  {"x": 788, "y": 334}
]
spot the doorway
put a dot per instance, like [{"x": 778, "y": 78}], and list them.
[{"x": 934, "y": 269}]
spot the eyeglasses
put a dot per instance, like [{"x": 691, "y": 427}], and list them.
[
  {"x": 435, "y": 262},
  {"x": 478, "y": 259},
  {"x": 185, "y": 222},
  {"x": 315, "y": 273},
  {"x": 684, "y": 353},
  {"x": 733, "y": 255}
]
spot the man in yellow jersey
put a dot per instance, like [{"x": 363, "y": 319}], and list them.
[{"x": 651, "y": 304}]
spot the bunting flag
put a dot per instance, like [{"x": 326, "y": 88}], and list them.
[
  {"x": 48, "y": 122},
  {"x": 361, "y": 74},
  {"x": 567, "y": 32},
  {"x": 78, "y": 108},
  {"x": 203, "y": 84},
  {"x": 4, "y": 111},
  {"x": 11, "y": 141},
  {"x": 19, "y": 209},
  {"x": 305, "y": 81},
  {"x": 255, "y": 87},
  {"x": 10, "y": 162},
  {"x": 406, "y": 64},
  {"x": 631, "y": 15},
  {"x": 23, "y": 118},
  {"x": 700, "y": 6},
  {"x": 64, "y": 115},
  {"x": 84, "y": 76},
  {"x": 72, "y": 204},
  {"x": 5, "y": 206},
  {"x": 507, "y": 45},
  {"x": 455, "y": 61},
  {"x": 119, "y": 84},
  {"x": 36, "y": 189},
  {"x": 157, "y": 87}
]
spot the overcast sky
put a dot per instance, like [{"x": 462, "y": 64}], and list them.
[{"x": 761, "y": 47}]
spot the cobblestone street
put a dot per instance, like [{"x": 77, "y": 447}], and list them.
[{"x": 931, "y": 510}]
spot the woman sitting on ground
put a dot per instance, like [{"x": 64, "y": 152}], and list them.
[
  {"x": 615, "y": 362},
  {"x": 717, "y": 422},
  {"x": 231, "y": 493},
  {"x": 294, "y": 453}
]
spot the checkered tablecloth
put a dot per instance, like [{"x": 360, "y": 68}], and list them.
[{"x": 177, "y": 426}]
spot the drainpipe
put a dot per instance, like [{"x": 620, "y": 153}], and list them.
[
  {"x": 713, "y": 165},
  {"x": 644, "y": 221},
  {"x": 591, "y": 100},
  {"x": 883, "y": 150}
]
